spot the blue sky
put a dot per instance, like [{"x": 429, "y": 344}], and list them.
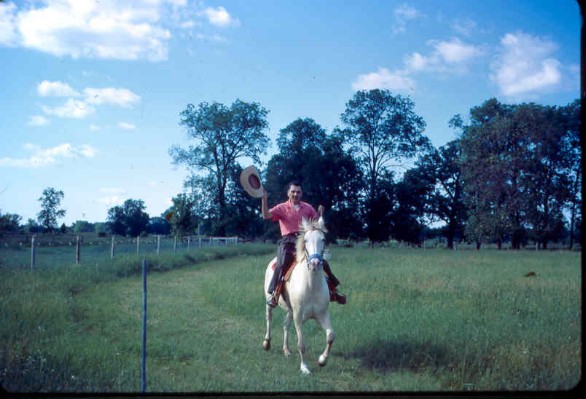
[{"x": 91, "y": 90}]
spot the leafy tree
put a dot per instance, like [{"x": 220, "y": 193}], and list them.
[
  {"x": 244, "y": 218},
  {"x": 520, "y": 165},
  {"x": 440, "y": 170},
  {"x": 329, "y": 175},
  {"x": 382, "y": 129},
  {"x": 182, "y": 216},
  {"x": 50, "y": 213},
  {"x": 116, "y": 220},
  {"x": 33, "y": 227},
  {"x": 83, "y": 226},
  {"x": 9, "y": 222},
  {"x": 158, "y": 225},
  {"x": 222, "y": 135},
  {"x": 130, "y": 219},
  {"x": 413, "y": 198},
  {"x": 572, "y": 150}
]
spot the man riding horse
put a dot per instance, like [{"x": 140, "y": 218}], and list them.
[{"x": 290, "y": 214}]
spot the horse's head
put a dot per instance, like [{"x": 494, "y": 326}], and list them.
[{"x": 312, "y": 242}]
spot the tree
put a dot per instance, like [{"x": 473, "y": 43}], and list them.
[
  {"x": 572, "y": 149},
  {"x": 329, "y": 175},
  {"x": 50, "y": 213},
  {"x": 222, "y": 135},
  {"x": 130, "y": 219},
  {"x": 521, "y": 165},
  {"x": 9, "y": 222},
  {"x": 490, "y": 162},
  {"x": 381, "y": 129},
  {"x": 244, "y": 218},
  {"x": 440, "y": 169},
  {"x": 159, "y": 226},
  {"x": 116, "y": 220},
  {"x": 413, "y": 203},
  {"x": 83, "y": 226},
  {"x": 181, "y": 215}
]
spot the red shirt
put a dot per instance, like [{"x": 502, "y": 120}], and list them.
[{"x": 289, "y": 218}]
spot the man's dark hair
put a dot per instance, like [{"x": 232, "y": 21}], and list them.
[{"x": 293, "y": 183}]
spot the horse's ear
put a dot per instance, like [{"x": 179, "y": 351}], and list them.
[{"x": 321, "y": 223}]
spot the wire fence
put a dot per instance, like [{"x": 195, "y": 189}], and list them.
[{"x": 24, "y": 250}]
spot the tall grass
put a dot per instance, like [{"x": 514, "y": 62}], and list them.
[{"x": 416, "y": 320}]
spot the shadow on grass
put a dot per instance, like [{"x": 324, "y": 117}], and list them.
[{"x": 389, "y": 356}]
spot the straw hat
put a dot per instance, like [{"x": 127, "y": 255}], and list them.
[{"x": 250, "y": 181}]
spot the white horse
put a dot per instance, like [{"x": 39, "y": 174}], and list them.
[{"x": 305, "y": 295}]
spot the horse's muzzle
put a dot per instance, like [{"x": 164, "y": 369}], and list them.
[{"x": 315, "y": 262}]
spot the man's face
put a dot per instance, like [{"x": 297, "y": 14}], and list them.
[{"x": 295, "y": 194}]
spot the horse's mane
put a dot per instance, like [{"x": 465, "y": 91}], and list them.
[{"x": 300, "y": 244}]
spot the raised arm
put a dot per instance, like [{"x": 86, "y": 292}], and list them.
[{"x": 266, "y": 214}]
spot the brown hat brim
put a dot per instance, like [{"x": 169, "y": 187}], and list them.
[{"x": 250, "y": 181}]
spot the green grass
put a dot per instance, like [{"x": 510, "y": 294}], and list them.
[{"x": 416, "y": 320}]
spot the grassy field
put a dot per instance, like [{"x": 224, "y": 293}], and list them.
[{"x": 416, "y": 320}]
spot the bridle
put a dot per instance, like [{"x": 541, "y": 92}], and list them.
[{"x": 318, "y": 265}]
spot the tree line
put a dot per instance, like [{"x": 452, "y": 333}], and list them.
[{"x": 512, "y": 175}]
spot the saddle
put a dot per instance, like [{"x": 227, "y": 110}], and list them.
[{"x": 287, "y": 270}]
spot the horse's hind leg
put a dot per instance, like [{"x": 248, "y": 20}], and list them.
[
  {"x": 269, "y": 317},
  {"x": 286, "y": 325},
  {"x": 330, "y": 337}
]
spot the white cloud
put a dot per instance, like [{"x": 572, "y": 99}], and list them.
[
  {"x": 220, "y": 17},
  {"x": 80, "y": 108},
  {"x": 384, "y": 79},
  {"x": 402, "y": 15},
  {"x": 38, "y": 120},
  {"x": 56, "y": 89},
  {"x": 525, "y": 66},
  {"x": 119, "y": 30},
  {"x": 456, "y": 52},
  {"x": 71, "y": 109},
  {"x": 110, "y": 95},
  {"x": 446, "y": 57},
  {"x": 41, "y": 157},
  {"x": 8, "y": 33},
  {"x": 110, "y": 200},
  {"x": 122, "y": 30},
  {"x": 112, "y": 197},
  {"x": 126, "y": 126}
]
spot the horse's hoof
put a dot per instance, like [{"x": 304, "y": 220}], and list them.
[
  {"x": 305, "y": 369},
  {"x": 287, "y": 352},
  {"x": 266, "y": 344},
  {"x": 322, "y": 361}
]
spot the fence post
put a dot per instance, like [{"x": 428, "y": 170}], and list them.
[
  {"x": 188, "y": 243},
  {"x": 175, "y": 244},
  {"x": 144, "y": 324},
  {"x": 77, "y": 251},
  {"x": 199, "y": 241},
  {"x": 33, "y": 252},
  {"x": 137, "y": 245},
  {"x": 158, "y": 243},
  {"x": 112, "y": 249}
]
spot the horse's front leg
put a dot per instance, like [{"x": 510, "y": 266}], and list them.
[
  {"x": 269, "y": 317},
  {"x": 330, "y": 337},
  {"x": 301, "y": 343},
  {"x": 286, "y": 325}
]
